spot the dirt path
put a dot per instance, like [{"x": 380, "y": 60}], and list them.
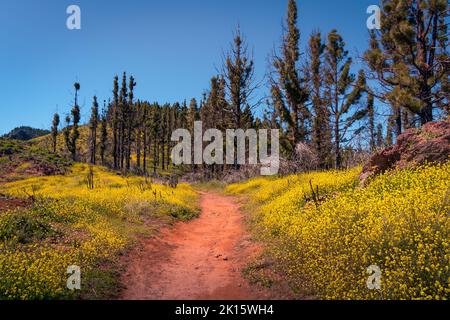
[{"x": 201, "y": 259}]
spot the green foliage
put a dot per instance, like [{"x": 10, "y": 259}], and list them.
[
  {"x": 54, "y": 132},
  {"x": 9, "y": 147},
  {"x": 408, "y": 57},
  {"x": 344, "y": 91},
  {"x": 18, "y": 158},
  {"x": 93, "y": 124},
  {"x": 289, "y": 88},
  {"x": 42, "y": 157},
  {"x": 25, "y": 226},
  {"x": 179, "y": 212},
  {"x": 25, "y": 133},
  {"x": 71, "y": 132}
]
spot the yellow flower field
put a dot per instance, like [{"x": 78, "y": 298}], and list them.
[
  {"x": 399, "y": 222},
  {"x": 72, "y": 224}
]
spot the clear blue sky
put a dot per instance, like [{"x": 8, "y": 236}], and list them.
[{"x": 171, "y": 47}]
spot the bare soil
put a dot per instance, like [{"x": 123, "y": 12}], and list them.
[{"x": 201, "y": 259}]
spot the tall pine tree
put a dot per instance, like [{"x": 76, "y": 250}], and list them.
[
  {"x": 343, "y": 91},
  {"x": 93, "y": 124},
  {"x": 291, "y": 85},
  {"x": 54, "y": 131},
  {"x": 409, "y": 57}
]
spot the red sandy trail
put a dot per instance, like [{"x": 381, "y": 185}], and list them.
[{"x": 201, "y": 259}]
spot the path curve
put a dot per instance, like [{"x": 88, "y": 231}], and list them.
[{"x": 200, "y": 259}]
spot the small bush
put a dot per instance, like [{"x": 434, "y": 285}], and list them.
[
  {"x": 9, "y": 147},
  {"x": 24, "y": 227}
]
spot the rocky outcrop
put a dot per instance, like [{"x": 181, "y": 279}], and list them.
[{"x": 430, "y": 143}]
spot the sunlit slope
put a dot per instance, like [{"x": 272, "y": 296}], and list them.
[
  {"x": 83, "y": 152},
  {"x": 72, "y": 224},
  {"x": 324, "y": 243}
]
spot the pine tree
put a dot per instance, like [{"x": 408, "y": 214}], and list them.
[
  {"x": 389, "y": 133},
  {"x": 145, "y": 112},
  {"x": 71, "y": 135},
  {"x": 164, "y": 141},
  {"x": 280, "y": 111},
  {"x": 344, "y": 91},
  {"x": 54, "y": 131},
  {"x": 174, "y": 113},
  {"x": 371, "y": 124},
  {"x": 93, "y": 124},
  {"x": 407, "y": 119},
  {"x": 182, "y": 121},
  {"x": 66, "y": 132},
  {"x": 211, "y": 112},
  {"x": 192, "y": 115},
  {"x": 75, "y": 130},
  {"x": 239, "y": 77},
  {"x": 321, "y": 129},
  {"x": 239, "y": 80},
  {"x": 379, "y": 135},
  {"x": 271, "y": 116},
  {"x": 123, "y": 120},
  {"x": 291, "y": 85},
  {"x": 139, "y": 121},
  {"x": 114, "y": 115},
  {"x": 278, "y": 103},
  {"x": 155, "y": 131},
  {"x": 129, "y": 123},
  {"x": 103, "y": 133},
  {"x": 409, "y": 56}
]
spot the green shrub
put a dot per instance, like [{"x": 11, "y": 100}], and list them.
[{"x": 24, "y": 227}]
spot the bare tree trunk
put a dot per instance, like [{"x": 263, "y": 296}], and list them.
[
  {"x": 163, "y": 158},
  {"x": 144, "y": 161},
  {"x": 155, "y": 155},
  {"x": 128, "y": 150},
  {"x": 337, "y": 143},
  {"x": 138, "y": 148},
  {"x": 122, "y": 146}
]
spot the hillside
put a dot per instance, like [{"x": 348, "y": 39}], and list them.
[
  {"x": 44, "y": 143},
  {"x": 25, "y": 133},
  {"x": 323, "y": 232},
  {"x": 20, "y": 159},
  {"x": 85, "y": 218}
]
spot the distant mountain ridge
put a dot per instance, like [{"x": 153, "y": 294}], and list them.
[{"x": 25, "y": 133}]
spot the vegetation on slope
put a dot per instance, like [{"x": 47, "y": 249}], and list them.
[
  {"x": 325, "y": 237},
  {"x": 25, "y": 133},
  {"x": 20, "y": 160},
  {"x": 86, "y": 218}
]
